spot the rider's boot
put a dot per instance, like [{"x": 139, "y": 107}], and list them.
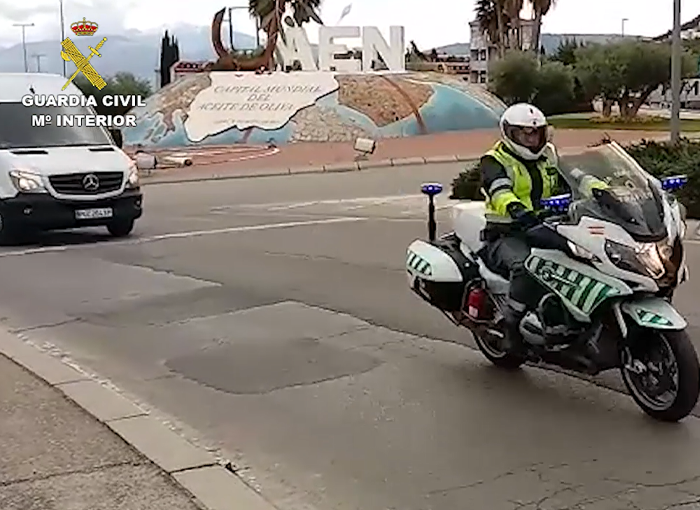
[{"x": 513, "y": 341}]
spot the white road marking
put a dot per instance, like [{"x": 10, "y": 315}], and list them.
[
  {"x": 286, "y": 207},
  {"x": 182, "y": 235},
  {"x": 402, "y": 204}
]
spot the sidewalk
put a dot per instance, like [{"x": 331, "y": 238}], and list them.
[
  {"x": 307, "y": 157},
  {"x": 70, "y": 442},
  {"x": 56, "y": 456}
]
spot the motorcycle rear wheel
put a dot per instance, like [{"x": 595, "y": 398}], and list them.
[
  {"x": 495, "y": 354},
  {"x": 680, "y": 370}
]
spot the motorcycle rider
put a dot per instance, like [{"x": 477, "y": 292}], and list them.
[{"x": 519, "y": 171}]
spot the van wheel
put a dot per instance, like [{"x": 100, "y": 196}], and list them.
[
  {"x": 120, "y": 228},
  {"x": 8, "y": 233}
]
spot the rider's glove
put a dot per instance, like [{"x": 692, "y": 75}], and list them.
[
  {"x": 526, "y": 219},
  {"x": 544, "y": 237}
]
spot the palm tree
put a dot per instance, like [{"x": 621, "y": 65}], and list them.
[
  {"x": 512, "y": 9},
  {"x": 540, "y": 8},
  {"x": 303, "y": 12},
  {"x": 491, "y": 19}
]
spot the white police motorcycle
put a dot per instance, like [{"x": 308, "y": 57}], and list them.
[{"x": 610, "y": 293}]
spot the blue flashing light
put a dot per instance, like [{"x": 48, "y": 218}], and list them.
[
  {"x": 557, "y": 202},
  {"x": 431, "y": 188},
  {"x": 674, "y": 182}
]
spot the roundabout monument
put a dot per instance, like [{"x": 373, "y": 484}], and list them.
[{"x": 332, "y": 94}]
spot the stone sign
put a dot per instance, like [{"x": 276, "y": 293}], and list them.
[
  {"x": 297, "y": 48},
  {"x": 690, "y": 92},
  {"x": 244, "y": 100}
]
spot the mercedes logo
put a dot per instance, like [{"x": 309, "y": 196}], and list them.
[{"x": 91, "y": 182}]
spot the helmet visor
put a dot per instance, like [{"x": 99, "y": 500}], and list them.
[{"x": 532, "y": 138}]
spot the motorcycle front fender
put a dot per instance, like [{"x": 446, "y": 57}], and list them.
[{"x": 655, "y": 313}]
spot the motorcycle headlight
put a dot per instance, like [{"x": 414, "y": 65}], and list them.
[
  {"x": 643, "y": 259},
  {"x": 665, "y": 249},
  {"x": 27, "y": 182}
]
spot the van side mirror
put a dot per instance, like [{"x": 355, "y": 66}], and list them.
[{"x": 116, "y": 135}]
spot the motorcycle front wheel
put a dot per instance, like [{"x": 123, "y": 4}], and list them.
[{"x": 661, "y": 372}]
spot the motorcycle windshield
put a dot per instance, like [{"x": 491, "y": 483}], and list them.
[{"x": 630, "y": 198}]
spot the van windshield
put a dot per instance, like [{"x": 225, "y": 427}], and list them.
[{"x": 17, "y": 132}]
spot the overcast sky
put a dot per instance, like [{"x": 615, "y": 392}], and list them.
[{"x": 449, "y": 23}]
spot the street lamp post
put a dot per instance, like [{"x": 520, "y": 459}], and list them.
[
  {"x": 624, "y": 20},
  {"x": 676, "y": 74},
  {"x": 63, "y": 32},
  {"x": 23, "y": 26}
]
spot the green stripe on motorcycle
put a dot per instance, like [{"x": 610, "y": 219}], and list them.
[
  {"x": 598, "y": 293},
  {"x": 652, "y": 318},
  {"x": 606, "y": 293},
  {"x": 580, "y": 302},
  {"x": 580, "y": 289},
  {"x": 574, "y": 277},
  {"x": 421, "y": 265},
  {"x": 583, "y": 292}
]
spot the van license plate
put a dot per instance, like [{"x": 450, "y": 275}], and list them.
[{"x": 92, "y": 214}]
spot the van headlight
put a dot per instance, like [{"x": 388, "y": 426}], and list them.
[
  {"x": 133, "y": 180},
  {"x": 27, "y": 182}
]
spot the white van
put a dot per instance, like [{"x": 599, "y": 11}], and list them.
[{"x": 55, "y": 177}]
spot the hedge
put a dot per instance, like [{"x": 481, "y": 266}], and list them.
[{"x": 660, "y": 159}]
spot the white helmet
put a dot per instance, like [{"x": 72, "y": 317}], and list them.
[{"x": 524, "y": 130}]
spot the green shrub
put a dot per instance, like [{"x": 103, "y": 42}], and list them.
[
  {"x": 467, "y": 184},
  {"x": 663, "y": 159},
  {"x": 519, "y": 78},
  {"x": 514, "y": 77},
  {"x": 555, "y": 89}
]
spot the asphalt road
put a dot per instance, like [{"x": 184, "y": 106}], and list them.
[{"x": 270, "y": 319}]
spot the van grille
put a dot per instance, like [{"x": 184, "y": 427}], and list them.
[{"x": 79, "y": 184}]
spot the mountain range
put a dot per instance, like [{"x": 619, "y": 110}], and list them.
[
  {"x": 139, "y": 53},
  {"x": 550, "y": 42},
  {"x": 135, "y": 52}
]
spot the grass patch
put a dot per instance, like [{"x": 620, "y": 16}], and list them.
[{"x": 643, "y": 124}]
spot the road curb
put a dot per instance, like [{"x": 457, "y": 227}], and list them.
[
  {"x": 350, "y": 166},
  {"x": 194, "y": 469},
  {"x": 359, "y": 165}
]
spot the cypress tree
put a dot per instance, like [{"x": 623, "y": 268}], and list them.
[
  {"x": 169, "y": 55},
  {"x": 164, "y": 59}
]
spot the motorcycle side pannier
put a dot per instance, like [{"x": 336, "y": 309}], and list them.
[{"x": 439, "y": 272}]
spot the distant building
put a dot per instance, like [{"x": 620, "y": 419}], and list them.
[
  {"x": 482, "y": 51},
  {"x": 184, "y": 67},
  {"x": 689, "y": 30}
]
